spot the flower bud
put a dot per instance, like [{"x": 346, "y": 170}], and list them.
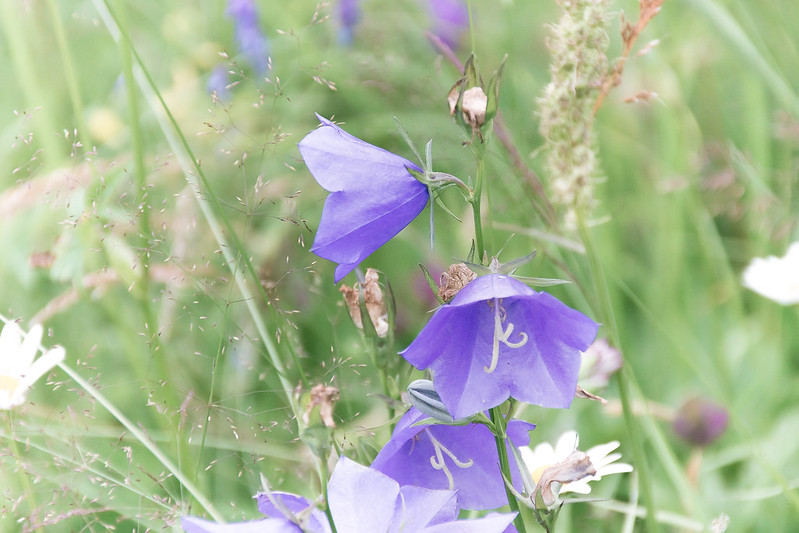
[
  {"x": 424, "y": 397},
  {"x": 700, "y": 422}
]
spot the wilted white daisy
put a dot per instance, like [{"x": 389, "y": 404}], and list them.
[
  {"x": 776, "y": 278},
  {"x": 544, "y": 458},
  {"x": 18, "y": 370}
]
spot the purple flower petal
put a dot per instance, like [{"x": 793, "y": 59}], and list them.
[
  {"x": 296, "y": 505},
  {"x": 469, "y": 455},
  {"x": 499, "y": 338},
  {"x": 450, "y": 18},
  {"x": 373, "y": 196},
  {"x": 499, "y": 522},
  {"x": 192, "y": 524},
  {"x": 361, "y": 499},
  {"x": 251, "y": 40}
]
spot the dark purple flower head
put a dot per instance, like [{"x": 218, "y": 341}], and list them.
[
  {"x": 446, "y": 457},
  {"x": 499, "y": 338},
  {"x": 700, "y": 421},
  {"x": 449, "y": 18},
  {"x": 252, "y": 42},
  {"x": 373, "y": 196},
  {"x": 362, "y": 500}
]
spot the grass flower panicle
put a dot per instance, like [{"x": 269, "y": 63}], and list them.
[
  {"x": 461, "y": 457},
  {"x": 499, "y": 338},
  {"x": 361, "y": 499},
  {"x": 372, "y": 195},
  {"x": 18, "y": 370}
]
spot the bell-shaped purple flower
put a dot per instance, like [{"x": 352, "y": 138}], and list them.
[
  {"x": 450, "y": 18},
  {"x": 373, "y": 196},
  {"x": 361, "y": 500},
  {"x": 499, "y": 338},
  {"x": 445, "y": 457},
  {"x": 251, "y": 40}
]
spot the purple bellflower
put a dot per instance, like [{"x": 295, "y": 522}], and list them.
[
  {"x": 251, "y": 41},
  {"x": 449, "y": 20},
  {"x": 362, "y": 500},
  {"x": 499, "y": 338},
  {"x": 349, "y": 12},
  {"x": 373, "y": 196},
  {"x": 464, "y": 458}
]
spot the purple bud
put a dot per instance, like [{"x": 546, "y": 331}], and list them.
[{"x": 700, "y": 422}]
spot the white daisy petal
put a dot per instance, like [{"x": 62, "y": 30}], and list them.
[
  {"x": 776, "y": 278},
  {"x": 18, "y": 370},
  {"x": 602, "y": 458}
]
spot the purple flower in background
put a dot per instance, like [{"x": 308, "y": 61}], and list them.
[
  {"x": 700, "y": 421},
  {"x": 362, "y": 500},
  {"x": 218, "y": 82},
  {"x": 373, "y": 196},
  {"x": 349, "y": 12},
  {"x": 449, "y": 20},
  {"x": 252, "y": 42},
  {"x": 499, "y": 338},
  {"x": 445, "y": 457}
]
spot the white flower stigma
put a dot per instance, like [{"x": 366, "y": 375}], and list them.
[
  {"x": 501, "y": 335},
  {"x": 438, "y": 463}
]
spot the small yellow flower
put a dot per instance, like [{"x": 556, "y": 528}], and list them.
[{"x": 18, "y": 370}]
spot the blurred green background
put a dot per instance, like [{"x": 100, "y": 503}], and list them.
[{"x": 93, "y": 188}]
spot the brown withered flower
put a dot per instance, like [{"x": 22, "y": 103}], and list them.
[
  {"x": 453, "y": 280},
  {"x": 372, "y": 297},
  {"x": 324, "y": 397}
]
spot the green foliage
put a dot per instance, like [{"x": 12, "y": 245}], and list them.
[{"x": 174, "y": 296}]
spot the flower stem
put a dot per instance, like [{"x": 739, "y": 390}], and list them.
[
  {"x": 475, "y": 201},
  {"x": 501, "y": 439},
  {"x": 625, "y": 376}
]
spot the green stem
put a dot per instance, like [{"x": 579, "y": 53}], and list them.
[
  {"x": 209, "y": 204},
  {"x": 475, "y": 201},
  {"x": 70, "y": 77},
  {"x": 501, "y": 439},
  {"x": 137, "y": 433},
  {"x": 23, "y": 477},
  {"x": 626, "y": 376}
]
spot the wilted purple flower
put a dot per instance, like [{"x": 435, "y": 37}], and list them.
[
  {"x": 349, "y": 12},
  {"x": 361, "y": 500},
  {"x": 446, "y": 457},
  {"x": 700, "y": 421},
  {"x": 373, "y": 196},
  {"x": 252, "y": 42},
  {"x": 449, "y": 18},
  {"x": 499, "y": 338}
]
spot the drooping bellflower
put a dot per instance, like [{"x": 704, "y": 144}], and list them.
[
  {"x": 449, "y": 18},
  {"x": 440, "y": 456},
  {"x": 499, "y": 338},
  {"x": 361, "y": 500},
  {"x": 349, "y": 12},
  {"x": 372, "y": 195},
  {"x": 251, "y": 40}
]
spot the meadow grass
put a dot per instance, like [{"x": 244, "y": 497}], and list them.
[{"x": 161, "y": 234}]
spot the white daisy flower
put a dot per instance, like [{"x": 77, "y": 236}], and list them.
[
  {"x": 544, "y": 457},
  {"x": 776, "y": 278},
  {"x": 18, "y": 370}
]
